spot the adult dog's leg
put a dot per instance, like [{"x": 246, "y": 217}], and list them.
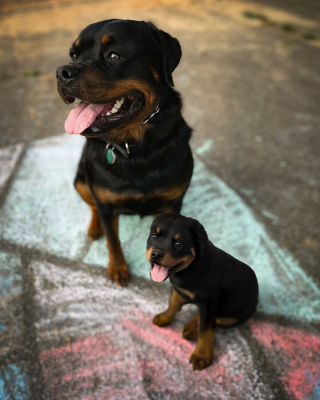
[
  {"x": 118, "y": 270},
  {"x": 95, "y": 230}
]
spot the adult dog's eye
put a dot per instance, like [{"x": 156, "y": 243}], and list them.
[
  {"x": 73, "y": 55},
  {"x": 178, "y": 245},
  {"x": 154, "y": 236},
  {"x": 114, "y": 56}
]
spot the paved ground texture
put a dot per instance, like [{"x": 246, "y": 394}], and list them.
[{"x": 250, "y": 81}]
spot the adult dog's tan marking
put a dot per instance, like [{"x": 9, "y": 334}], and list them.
[{"x": 111, "y": 197}]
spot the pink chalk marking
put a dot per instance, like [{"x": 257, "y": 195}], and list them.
[
  {"x": 116, "y": 394},
  {"x": 72, "y": 371},
  {"x": 72, "y": 367},
  {"x": 300, "y": 355},
  {"x": 155, "y": 337},
  {"x": 88, "y": 372},
  {"x": 167, "y": 340},
  {"x": 81, "y": 346}
]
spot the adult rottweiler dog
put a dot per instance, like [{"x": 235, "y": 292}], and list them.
[
  {"x": 224, "y": 289},
  {"x": 137, "y": 158}
]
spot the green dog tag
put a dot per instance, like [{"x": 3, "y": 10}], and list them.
[{"x": 110, "y": 156}]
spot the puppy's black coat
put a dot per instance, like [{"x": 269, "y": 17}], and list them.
[
  {"x": 224, "y": 288},
  {"x": 130, "y": 62}
]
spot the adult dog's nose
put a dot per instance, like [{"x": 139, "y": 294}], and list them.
[
  {"x": 66, "y": 73},
  {"x": 156, "y": 255}
]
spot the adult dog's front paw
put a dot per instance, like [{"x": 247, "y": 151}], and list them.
[
  {"x": 161, "y": 320},
  {"x": 119, "y": 274},
  {"x": 95, "y": 230},
  {"x": 200, "y": 361}
]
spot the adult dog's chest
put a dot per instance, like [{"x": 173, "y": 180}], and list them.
[{"x": 137, "y": 184}]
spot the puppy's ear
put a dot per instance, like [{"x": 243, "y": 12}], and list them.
[
  {"x": 200, "y": 235},
  {"x": 171, "y": 51}
]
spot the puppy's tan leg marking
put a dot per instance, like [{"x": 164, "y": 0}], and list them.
[
  {"x": 226, "y": 321},
  {"x": 95, "y": 230},
  {"x": 175, "y": 304},
  {"x": 190, "y": 330},
  {"x": 202, "y": 356}
]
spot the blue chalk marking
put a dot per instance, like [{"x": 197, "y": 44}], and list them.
[
  {"x": 316, "y": 390},
  {"x": 43, "y": 211},
  {"x": 14, "y": 377},
  {"x": 207, "y": 145},
  {"x": 10, "y": 278}
]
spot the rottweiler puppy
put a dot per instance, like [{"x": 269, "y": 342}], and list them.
[
  {"x": 137, "y": 158},
  {"x": 224, "y": 288}
]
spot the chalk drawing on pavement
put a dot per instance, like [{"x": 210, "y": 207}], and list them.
[
  {"x": 295, "y": 356},
  {"x": 120, "y": 349},
  {"x": 13, "y": 376},
  {"x": 9, "y": 156},
  {"x": 43, "y": 211}
]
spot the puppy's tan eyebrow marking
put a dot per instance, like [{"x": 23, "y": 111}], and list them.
[
  {"x": 158, "y": 230},
  {"x": 76, "y": 43},
  {"x": 106, "y": 39},
  {"x": 177, "y": 236}
]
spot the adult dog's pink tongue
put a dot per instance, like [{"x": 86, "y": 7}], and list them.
[
  {"x": 82, "y": 116},
  {"x": 158, "y": 273}
]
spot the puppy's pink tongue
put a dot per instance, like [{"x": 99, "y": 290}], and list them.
[
  {"x": 82, "y": 116},
  {"x": 158, "y": 273}
]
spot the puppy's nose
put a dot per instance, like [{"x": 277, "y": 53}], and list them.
[
  {"x": 66, "y": 73},
  {"x": 157, "y": 255}
]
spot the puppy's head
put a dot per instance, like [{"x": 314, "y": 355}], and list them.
[
  {"x": 174, "y": 242},
  {"x": 118, "y": 73}
]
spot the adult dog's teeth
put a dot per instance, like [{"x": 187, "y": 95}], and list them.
[
  {"x": 117, "y": 105},
  {"x": 114, "y": 110},
  {"x": 76, "y": 102},
  {"x": 108, "y": 114}
]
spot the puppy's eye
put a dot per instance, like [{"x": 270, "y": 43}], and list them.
[
  {"x": 73, "y": 55},
  {"x": 154, "y": 236},
  {"x": 178, "y": 245},
  {"x": 114, "y": 56}
]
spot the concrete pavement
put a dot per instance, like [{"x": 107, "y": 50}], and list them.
[{"x": 251, "y": 93}]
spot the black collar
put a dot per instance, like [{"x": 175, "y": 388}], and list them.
[
  {"x": 126, "y": 150},
  {"x": 151, "y": 115}
]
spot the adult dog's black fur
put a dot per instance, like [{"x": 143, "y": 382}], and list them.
[
  {"x": 224, "y": 288},
  {"x": 132, "y": 62}
]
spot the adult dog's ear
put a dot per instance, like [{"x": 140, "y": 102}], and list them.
[
  {"x": 200, "y": 236},
  {"x": 170, "y": 49}
]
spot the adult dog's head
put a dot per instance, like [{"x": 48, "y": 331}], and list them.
[{"x": 118, "y": 73}]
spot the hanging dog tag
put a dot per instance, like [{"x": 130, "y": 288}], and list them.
[{"x": 110, "y": 156}]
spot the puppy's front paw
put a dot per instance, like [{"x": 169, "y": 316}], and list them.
[
  {"x": 190, "y": 331},
  {"x": 161, "y": 320},
  {"x": 200, "y": 361},
  {"x": 119, "y": 274}
]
